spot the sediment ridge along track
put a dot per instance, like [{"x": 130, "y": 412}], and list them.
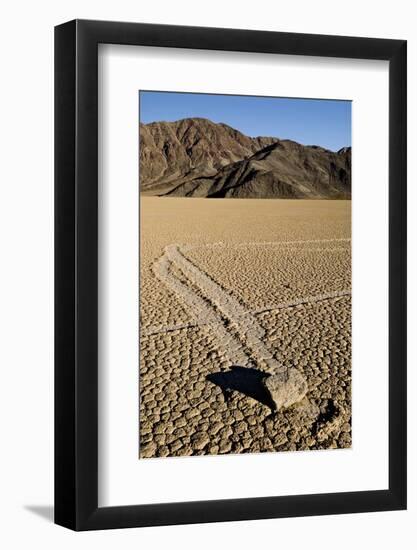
[{"x": 239, "y": 335}]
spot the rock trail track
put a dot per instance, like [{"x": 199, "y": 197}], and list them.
[
  {"x": 235, "y": 331},
  {"x": 161, "y": 329},
  {"x": 214, "y": 308}
]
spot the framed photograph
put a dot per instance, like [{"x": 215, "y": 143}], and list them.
[{"x": 230, "y": 247}]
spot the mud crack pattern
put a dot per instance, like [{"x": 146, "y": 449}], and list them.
[{"x": 201, "y": 381}]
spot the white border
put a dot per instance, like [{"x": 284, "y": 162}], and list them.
[{"x": 123, "y": 479}]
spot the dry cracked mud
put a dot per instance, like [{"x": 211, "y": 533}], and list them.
[{"x": 232, "y": 292}]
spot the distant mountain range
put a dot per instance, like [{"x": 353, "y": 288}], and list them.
[{"x": 195, "y": 157}]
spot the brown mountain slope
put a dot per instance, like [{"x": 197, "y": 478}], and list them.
[
  {"x": 170, "y": 151},
  {"x": 199, "y": 158}
]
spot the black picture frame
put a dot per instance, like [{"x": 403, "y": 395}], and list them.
[{"x": 76, "y": 273}]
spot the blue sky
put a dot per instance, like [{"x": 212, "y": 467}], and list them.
[{"x": 308, "y": 121}]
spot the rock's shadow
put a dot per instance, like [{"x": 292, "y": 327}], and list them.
[{"x": 245, "y": 380}]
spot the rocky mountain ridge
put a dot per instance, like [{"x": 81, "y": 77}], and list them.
[{"x": 196, "y": 157}]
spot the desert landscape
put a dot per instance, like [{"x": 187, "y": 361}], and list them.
[{"x": 245, "y": 302}]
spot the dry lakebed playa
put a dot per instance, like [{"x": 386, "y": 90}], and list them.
[{"x": 233, "y": 292}]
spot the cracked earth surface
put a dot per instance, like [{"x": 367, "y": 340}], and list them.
[{"x": 231, "y": 292}]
